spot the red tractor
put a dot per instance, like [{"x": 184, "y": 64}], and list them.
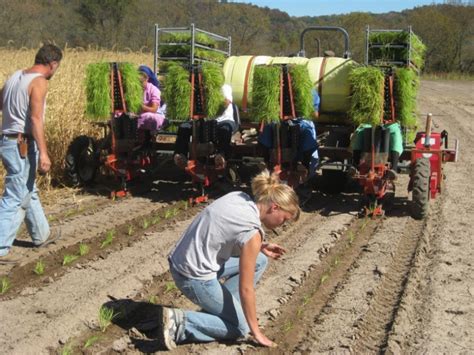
[
  {"x": 426, "y": 174},
  {"x": 374, "y": 165}
]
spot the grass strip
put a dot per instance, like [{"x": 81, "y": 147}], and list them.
[
  {"x": 367, "y": 85},
  {"x": 99, "y": 103},
  {"x": 266, "y": 94},
  {"x": 302, "y": 86},
  {"x": 177, "y": 93},
  {"x": 406, "y": 89},
  {"x": 132, "y": 87},
  {"x": 407, "y": 84},
  {"x": 213, "y": 80}
]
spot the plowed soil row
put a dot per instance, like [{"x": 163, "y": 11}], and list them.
[
  {"x": 397, "y": 286},
  {"x": 24, "y": 279}
]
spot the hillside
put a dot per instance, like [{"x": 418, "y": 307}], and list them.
[{"x": 448, "y": 30}]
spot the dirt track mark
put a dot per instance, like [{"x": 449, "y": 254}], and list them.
[
  {"x": 436, "y": 314},
  {"x": 374, "y": 328},
  {"x": 293, "y": 324}
]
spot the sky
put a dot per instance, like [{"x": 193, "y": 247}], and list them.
[{"x": 331, "y": 7}]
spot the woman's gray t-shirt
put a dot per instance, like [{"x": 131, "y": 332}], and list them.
[{"x": 215, "y": 235}]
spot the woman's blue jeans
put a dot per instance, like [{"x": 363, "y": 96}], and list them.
[
  {"x": 222, "y": 316},
  {"x": 20, "y": 199}
]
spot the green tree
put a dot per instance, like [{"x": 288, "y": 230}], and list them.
[{"x": 102, "y": 19}]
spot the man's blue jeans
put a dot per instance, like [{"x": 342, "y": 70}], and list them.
[
  {"x": 20, "y": 199},
  {"x": 222, "y": 316}
]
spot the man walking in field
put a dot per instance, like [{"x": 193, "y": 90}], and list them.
[{"x": 23, "y": 149}]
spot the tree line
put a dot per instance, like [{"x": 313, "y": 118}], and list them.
[{"x": 447, "y": 30}]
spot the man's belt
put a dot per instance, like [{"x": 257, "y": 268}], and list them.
[{"x": 18, "y": 136}]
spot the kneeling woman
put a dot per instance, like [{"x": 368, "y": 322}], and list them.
[{"x": 226, "y": 241}]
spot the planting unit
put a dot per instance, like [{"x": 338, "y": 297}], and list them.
[
  {"x": 191, "y": 61},
  {"x": 366, "y": 124}
]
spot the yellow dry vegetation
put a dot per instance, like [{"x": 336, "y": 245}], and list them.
[{"x": 65, "y": 104}]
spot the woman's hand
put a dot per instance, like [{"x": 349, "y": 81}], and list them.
[
  {"x": 273, "y": 251},
  {"x": 263, "y": 340}
]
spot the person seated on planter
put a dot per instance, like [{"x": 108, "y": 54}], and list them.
[
  {"x": 225, "y": 127},
  {"x": 307, "y": 152},
  {"x": 150, "y": 118},
  {"x": 228, "y": 244}
]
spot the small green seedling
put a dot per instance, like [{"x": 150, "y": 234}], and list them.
[
  {"x": 306, "y": 299},
  {"x": 156, "y": 220},
  {"x": 4, "y": 285},
  {"x": 106, "y": 316},
  {"x": 351, "y": 237},
  {"x": 170, "y": 285},
  {"x": 168, "y": 214},
  {"x": 365, "y": 222},
  {"x": 39, "y": 268},
  {"x": 185, "y": 205},
  {"x": 69, "y": 259},
  {"x": 324, "y": 278},
  {"x": 69, "y": 213},
  {"x": 83, "y": 249},
  {"x": 130, "y": 230},
  {"x": 175, "y": 211},
  {"x": 66, "y": 350},
  {"x": 336, "y": 261},
  {"x": 109, "y": 237},
  {"x": 146, "y": 223},
  {"x": 91, "y": 341},
  {"x": 153, "y": 299},
  {"x": 287, "y": 326}
]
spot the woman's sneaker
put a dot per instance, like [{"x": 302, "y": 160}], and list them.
[{"x": 170, "y": 319}]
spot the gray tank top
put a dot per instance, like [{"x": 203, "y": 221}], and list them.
[
  {"x": 216, "y": 234},
  {"x": 16, "y": 103}
]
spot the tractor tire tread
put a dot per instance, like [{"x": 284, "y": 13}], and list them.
[
  {"x": 421, "y": 188},
  {"x": 72, "y": 160}
]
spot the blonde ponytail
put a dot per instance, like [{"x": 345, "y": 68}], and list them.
[{"x": 267, "y": 188}]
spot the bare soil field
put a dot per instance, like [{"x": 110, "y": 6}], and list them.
[{"x": 346, "y": 285}]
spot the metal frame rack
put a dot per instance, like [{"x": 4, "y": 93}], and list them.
[
  {"x": 193, "y": 31},
  {"x": 408, "y": 46}
]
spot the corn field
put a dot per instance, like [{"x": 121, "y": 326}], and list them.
[{"x": 66, "y": 100}]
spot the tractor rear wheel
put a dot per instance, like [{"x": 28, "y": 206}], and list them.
[
  {"x": 82, "y": 161},
  {"x": 421, "y": 188}
]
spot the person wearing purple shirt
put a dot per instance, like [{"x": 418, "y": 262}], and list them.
[{"x": 150, "y": 119}]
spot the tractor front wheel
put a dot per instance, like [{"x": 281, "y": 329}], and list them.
[
  {"x": 421, "y": 188},
  {"x": 82, "y": 161}
]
